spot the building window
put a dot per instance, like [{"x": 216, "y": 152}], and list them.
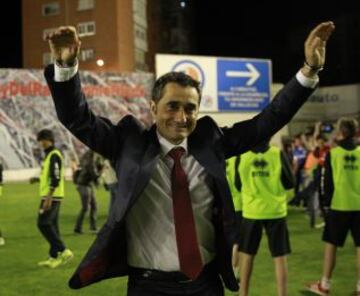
[
  {"x": 140, "y": 33},
  {"x": 139, "y": 56},
  {"x": 85, "y": 5},
  {"x": 87, "y": 54},
  {"x": 86, "y": 29},
  {"x": 139, "y": 12},
  {"x": 140, "y": 38},
  {"x": 47, "y": 32},
  {"x": 140, "y": 63},
  {"x": 52, "y": 8},
  {"x": 47, "y": 58}
]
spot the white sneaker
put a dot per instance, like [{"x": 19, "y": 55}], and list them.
[
  {"x": 66, "y": 256},
  {"x": 51, "y": 262},
  {"x": 320, "y": 225},
  {"x": 2, "y": 241}
]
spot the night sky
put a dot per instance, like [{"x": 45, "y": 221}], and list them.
[
  {"x": 259, "y": 29},
  {"x": 10, "y": 32},
  {"x": 277, "y": 31}
]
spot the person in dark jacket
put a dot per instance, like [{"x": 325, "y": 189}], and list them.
[
  {"x": 172, "y": 225},
  {"x": 87, "y": 176},
  {"x": 108, "y": 176}
]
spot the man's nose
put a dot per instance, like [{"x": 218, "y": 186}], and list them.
[{"x": 180, "y": 116}]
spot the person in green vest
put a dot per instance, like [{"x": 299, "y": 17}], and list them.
[
  {"x": 233, "y": 177},
  {"x": 342, "y": 199},
  {"x": 265, "y": 175},
  {"x": 51, "y": 192}
]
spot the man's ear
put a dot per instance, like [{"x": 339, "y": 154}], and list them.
[{"x": 153, "y": 108}]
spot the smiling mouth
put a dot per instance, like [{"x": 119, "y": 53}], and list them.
[
  {"x": 176, "y": 126},
  {"x": 180, "y": 127}
]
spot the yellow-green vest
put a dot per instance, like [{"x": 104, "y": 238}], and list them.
[
  {"x": 263, "y": 194},
  {"x": 45, "y": 176},
  {"x": 230, "y": 175},
  {"x": 345, "y": 166}
]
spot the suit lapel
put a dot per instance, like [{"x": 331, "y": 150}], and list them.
[
  {"x": 205, "y": 154},
  {"x": 204, "y": 151},
  {"x": 148, "y": 163}
]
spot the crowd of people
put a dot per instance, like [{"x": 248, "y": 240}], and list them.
[
  {"x": 307, "y": 153},
  {"x": 322, "y": 167}
]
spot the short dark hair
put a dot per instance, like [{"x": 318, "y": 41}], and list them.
[
  {"x": 45, "y": 134},
  {"x": 348, "y": 127},
  {"x": 175, "y": 77}
]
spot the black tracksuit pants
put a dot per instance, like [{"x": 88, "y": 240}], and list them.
[{"x": 48, "y": 224}]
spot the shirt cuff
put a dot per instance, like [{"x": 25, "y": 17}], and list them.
[
  {"x": 63, "y": 74},
  {"x": 306, "y": 81}
]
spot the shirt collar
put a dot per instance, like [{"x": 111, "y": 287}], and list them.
[{"x": 166, "y": 146}]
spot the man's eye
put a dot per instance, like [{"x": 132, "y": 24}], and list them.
[
  {"x": 172, "y": 106},
  {"x": 190, "y": 109}
]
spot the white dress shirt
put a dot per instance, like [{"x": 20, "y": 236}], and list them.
[{"x": 150, "y": 224}]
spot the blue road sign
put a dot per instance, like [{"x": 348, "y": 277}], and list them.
[{"x": 243, "y": 84}]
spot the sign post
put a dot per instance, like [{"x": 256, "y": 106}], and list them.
[{"x": 228, "y": 84}]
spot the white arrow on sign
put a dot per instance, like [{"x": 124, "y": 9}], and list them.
[{"x": 253, "y": 74}]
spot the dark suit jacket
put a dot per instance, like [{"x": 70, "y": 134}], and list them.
[{"x": 134, "y": 151}]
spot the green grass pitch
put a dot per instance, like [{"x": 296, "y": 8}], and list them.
[{"x": 20, "y": 275}]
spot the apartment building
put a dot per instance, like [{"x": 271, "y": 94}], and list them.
[{"x": 115, "y": 34}]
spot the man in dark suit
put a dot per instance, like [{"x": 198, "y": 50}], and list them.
[{"x": 171, "y": 226}]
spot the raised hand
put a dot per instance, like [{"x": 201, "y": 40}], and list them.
[
  {"x": 64, "y": 45},
  {"x": 315, "y": 45}
]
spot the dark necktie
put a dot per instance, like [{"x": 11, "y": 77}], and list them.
[{"x": 186, "y": 238}]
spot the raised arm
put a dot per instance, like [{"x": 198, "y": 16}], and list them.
[
  {"x": 96, "y": 132},
  {"x": 246, "y": 134},
  {"x": 64, "y": 45},
  {"x": 315, "y": 49}
]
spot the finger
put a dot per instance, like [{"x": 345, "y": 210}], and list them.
[
  {"x": 322, "y": 30},
  {"x": 64, "y": 39},
  {"x": 66, "y": 30},
  {"x": 59, "y": 31},
  {"x": 64, "y": 36},
  {"x": 326, "y": 31},
  {"x": 315, "y": 32}
]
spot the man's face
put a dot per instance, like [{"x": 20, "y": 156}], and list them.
[
  {"x": 176, "y": 112},
  {"x": 45, "y": 144}
]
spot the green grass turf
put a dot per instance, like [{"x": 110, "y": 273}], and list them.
[{"x": 20, "y": 275}]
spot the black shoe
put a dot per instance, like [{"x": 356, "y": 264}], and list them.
[{"x": 77, "y": 231}]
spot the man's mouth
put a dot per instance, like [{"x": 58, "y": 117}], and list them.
[
  {"x": 181, "y": 127},
  {"x": 176, "y": 126}
]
